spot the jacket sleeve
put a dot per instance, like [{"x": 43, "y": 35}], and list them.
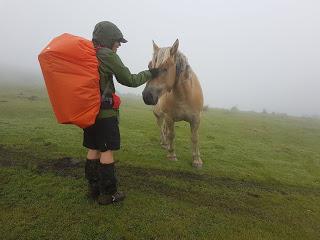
[{"x": 122, "y": 73}]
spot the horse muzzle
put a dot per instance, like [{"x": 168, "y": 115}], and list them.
[{"x": 149, "y": 97}]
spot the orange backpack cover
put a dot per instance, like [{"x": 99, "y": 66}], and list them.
[{"x": 70, "y": 69}]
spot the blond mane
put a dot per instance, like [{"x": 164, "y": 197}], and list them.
[{"x": 163, "y": 54}]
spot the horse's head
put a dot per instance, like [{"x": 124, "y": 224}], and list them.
[{"x": 165, "y": 59}]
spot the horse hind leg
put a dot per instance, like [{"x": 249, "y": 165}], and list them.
[{"x": 194, "y": 125}]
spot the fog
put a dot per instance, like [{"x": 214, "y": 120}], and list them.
[{"x": 251, "y": 54}]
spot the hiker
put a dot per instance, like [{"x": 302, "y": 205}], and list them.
[{"x": 103, "y": 137}]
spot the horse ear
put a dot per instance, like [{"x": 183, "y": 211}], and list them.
[
  {"x": 155, "y": 47},
  {"x": 174, "y": 48}
]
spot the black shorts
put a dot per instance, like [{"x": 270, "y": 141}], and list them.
[{"x": 103, "y": 136}]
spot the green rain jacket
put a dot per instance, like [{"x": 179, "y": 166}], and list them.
[{"x": 104, "y": 35}]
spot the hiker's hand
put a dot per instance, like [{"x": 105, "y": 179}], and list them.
[{"x": 155, "y": 72}]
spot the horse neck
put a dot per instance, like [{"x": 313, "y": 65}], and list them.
[{"x": 179, "y": 80}]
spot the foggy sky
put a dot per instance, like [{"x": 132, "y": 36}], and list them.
[{"x": 251, "y": 54}]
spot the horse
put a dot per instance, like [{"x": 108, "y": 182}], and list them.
[{"x": 177, "y": 96}]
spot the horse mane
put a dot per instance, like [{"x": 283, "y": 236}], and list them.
[{"x": 182, "y": 63}]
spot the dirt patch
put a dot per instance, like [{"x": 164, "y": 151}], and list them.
[
  {"x": 237, "y": 185},
  {"x": 61, "y": 163},
  {"x": 10, "y": 157},
  {"x": 66, "y": 166}
]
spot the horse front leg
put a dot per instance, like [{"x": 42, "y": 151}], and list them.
[
  {"x": 170, "y": 134},
  {"x": 161, "y": 124},
  {"x": 194, "y": 125},
  {"x": 163, "y": 132}
]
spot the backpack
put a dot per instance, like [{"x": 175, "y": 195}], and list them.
[{"x": 70, "y": 69}]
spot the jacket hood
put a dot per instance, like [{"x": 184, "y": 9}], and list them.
[{"x": 105, "y": 34}]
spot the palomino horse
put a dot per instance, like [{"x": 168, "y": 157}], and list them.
[{"x": 177, "y": 96}]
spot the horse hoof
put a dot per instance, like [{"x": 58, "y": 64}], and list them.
[
  {"x": 172, "y": 158},
  {"x": 197, "y": 164}
]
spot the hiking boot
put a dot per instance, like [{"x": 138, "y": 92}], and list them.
[
  {"x": 107, "y": 179},
  {"x": 108, "y": 185},
  {"x": 93, "y": 191},
  {"x": 92, "y": 175},
  {"x": 118, "y": 197},
  {"x": 105, "y": 199}
]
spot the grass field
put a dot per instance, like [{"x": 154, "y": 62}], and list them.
[{"x": 260, "y": 179}]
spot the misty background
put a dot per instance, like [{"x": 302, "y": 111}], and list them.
[{"x": 250, "y": 54}]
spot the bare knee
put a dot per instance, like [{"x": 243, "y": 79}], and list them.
[
  {"x": 93, "y": 154},
  {"x": 106, "y": 157}
]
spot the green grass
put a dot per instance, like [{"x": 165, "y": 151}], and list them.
[{"x": 260, "y": 179}]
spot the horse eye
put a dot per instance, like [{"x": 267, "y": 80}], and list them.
[{"x": 164, "y": 70}]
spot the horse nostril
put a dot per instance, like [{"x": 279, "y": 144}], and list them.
[
  {"x": 150, "y": 98},
  {"x": 146, "y": 97}
]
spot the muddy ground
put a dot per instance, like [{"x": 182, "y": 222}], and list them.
[{"x": 149, "y": 179}]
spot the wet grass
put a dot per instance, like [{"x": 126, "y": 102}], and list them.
[{"x": 260, "y": 180}]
